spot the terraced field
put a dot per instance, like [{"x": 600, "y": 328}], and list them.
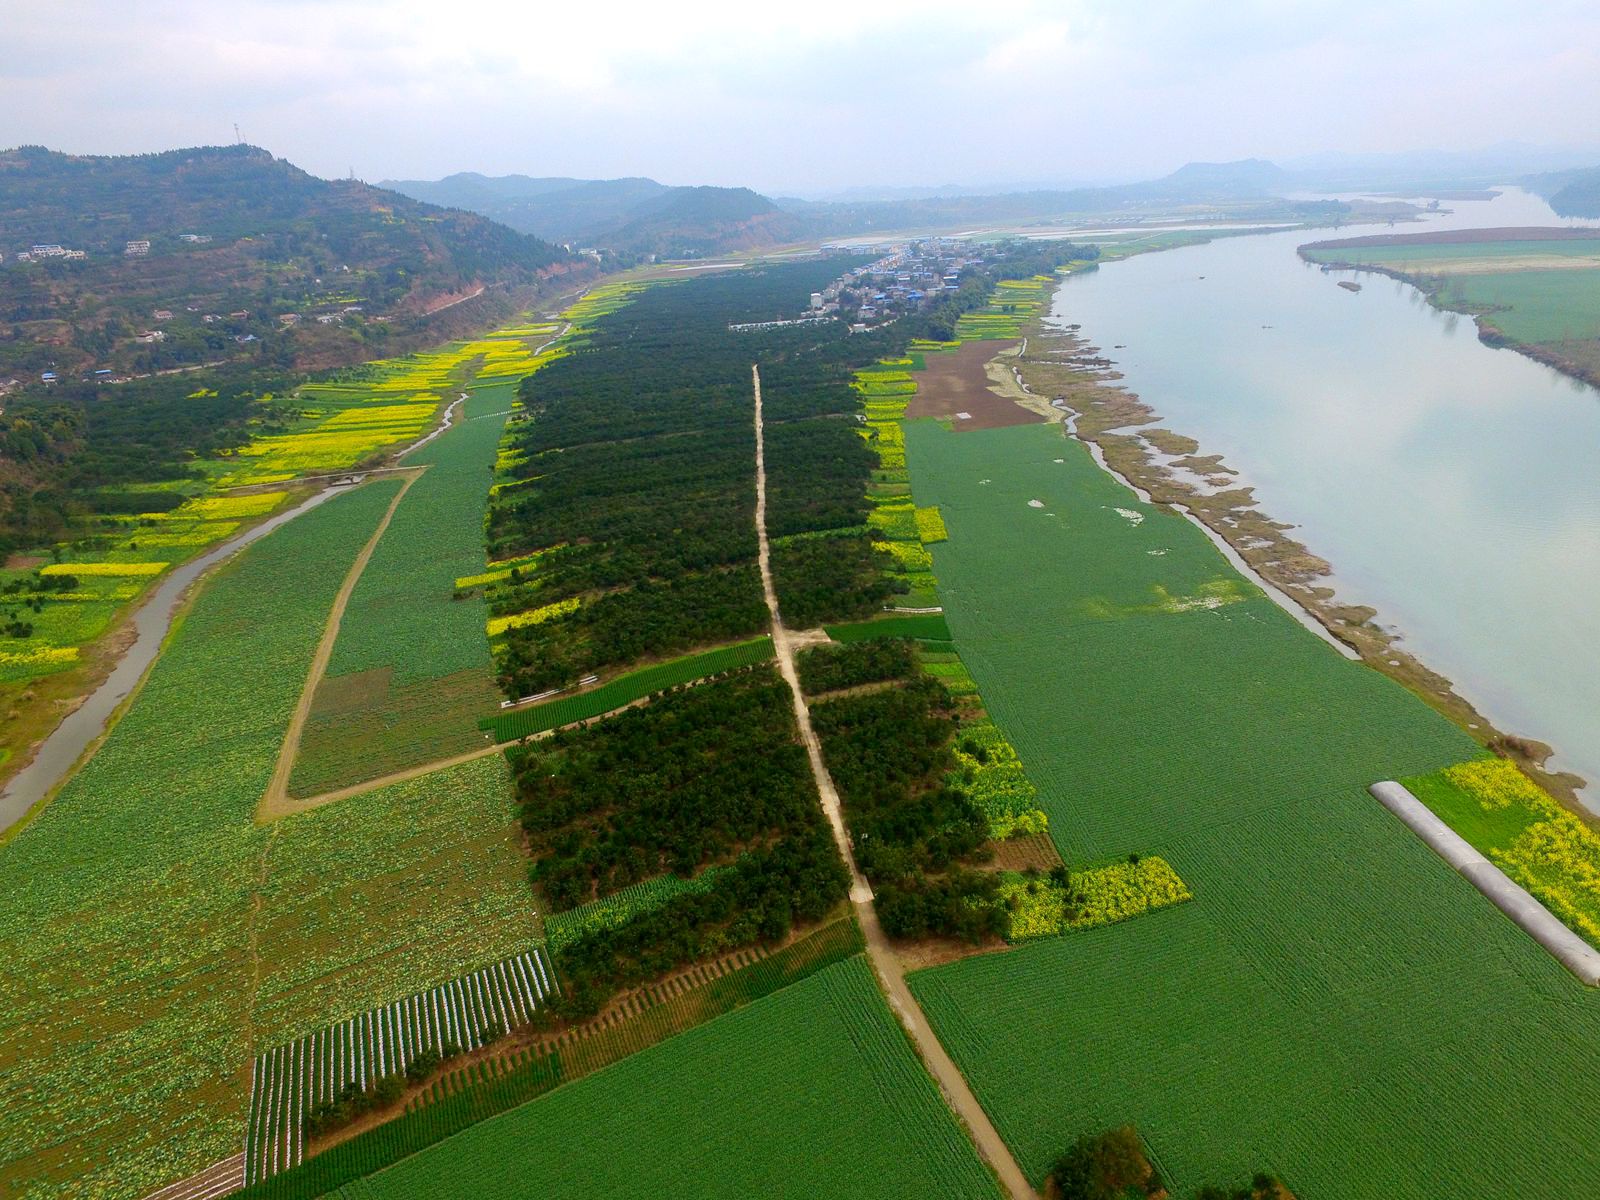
[
  {"x": 1335, "y": 1004},
  {"x": 812, "y": 1091}
]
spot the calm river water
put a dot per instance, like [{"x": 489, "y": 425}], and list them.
[{"x": 1453, "y": 487}]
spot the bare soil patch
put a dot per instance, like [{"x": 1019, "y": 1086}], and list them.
[
  {"x": 936, "y": 952},
  {"x": 956, "y": 381},
  {"x": 1034, "y": 851}
]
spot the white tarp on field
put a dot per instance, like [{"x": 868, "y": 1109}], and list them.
[{"x": 1582, "y": 959}]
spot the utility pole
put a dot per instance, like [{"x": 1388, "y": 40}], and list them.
[{"x": 237, "y": 140}]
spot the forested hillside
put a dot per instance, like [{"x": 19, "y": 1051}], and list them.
[{"x": 130, "y": 265}]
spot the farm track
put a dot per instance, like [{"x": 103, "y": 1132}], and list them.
[
  {"x": 219, "y": 1179},
  {"x": 276, "y": 801},
  {"x": 952, "y": 1084}
]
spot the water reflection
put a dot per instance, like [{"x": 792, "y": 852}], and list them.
[{"x": 1451, "y": 484}]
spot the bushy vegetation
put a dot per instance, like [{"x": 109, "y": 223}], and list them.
[
  {"x": 279, "y": 241},
  {"x": 1114, "y": 1166},
  {"x": 1105, "y": 1166},
  {"x": 709, "y": 777},
  {"x": 829, "y": 668},
  {"x": 73, "y": 457},
  {"x": 691, "y": 779},
  {"x": 635, "y": 479},
  {"x": 890, "y": 755}
]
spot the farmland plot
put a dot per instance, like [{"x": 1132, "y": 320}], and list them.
[
  {"x": 124, "y": 907},
  {"x": 1334, "y": 1003},
  {"x": 812, "y": 1091},
  {"x": 411, "y": 670},
  {"x": 131, "y": 905},
  {"x": 625, "y": 689},
  {"x": 287, "y": 1081}
]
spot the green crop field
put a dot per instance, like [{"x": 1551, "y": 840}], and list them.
[
  {"x": 132, "y": 907},
  {"x": 813, "y": 1091},
  {"x": 620, "y": 907},
  {"x": 1335, "y": 1004},
  {"x": 922, "y": 626},
  {"x": 124, "y": 906},
  {"x": 411, "y": 669},
  {"x": 625, "y": 689},
  {"x": 389, "y": 892},
  {"x": 1532, "y": 306}
]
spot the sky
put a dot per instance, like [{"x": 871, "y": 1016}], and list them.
[{"x": 797, "y": 98}]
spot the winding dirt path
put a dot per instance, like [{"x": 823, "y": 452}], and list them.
[{"x": 957, "y": 1094}]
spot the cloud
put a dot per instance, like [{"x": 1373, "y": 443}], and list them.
[{"x": 783, "y": 97}]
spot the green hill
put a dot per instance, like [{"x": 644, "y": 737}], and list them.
[
  {"x": 630, "y": 218},
  {"x": 557, "y": 209},
  {"x": 292, "y": 270}
]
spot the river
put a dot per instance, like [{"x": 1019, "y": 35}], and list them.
[{"x": 1452, "y": 486}]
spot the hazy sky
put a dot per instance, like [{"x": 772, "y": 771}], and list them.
[{"x": 802, "y": 95}]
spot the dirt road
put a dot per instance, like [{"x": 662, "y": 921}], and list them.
[
  {"x": 884, "y": 961},
  {"x": 276, "y": 803}
]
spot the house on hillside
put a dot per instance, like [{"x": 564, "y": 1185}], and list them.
[{"x": 136, "y": 249}]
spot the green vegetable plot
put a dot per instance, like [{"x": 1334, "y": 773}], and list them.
[
  {"x": 1335, "y": 1004},
  {"x": 810, "y": 1092}
]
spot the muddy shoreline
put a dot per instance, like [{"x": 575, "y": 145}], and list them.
[{"x": 1063, "y": 370}]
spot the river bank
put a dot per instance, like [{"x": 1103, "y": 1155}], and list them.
[
  {"x": 1061, "y": 365},
  {"x": 1432, "y": 288}
]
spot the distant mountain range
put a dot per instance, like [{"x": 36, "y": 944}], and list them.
[
  {"x": 148, "y": 262},
  {"x": 630, "y": 216},
  {"x": 637, "y": 217}
]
